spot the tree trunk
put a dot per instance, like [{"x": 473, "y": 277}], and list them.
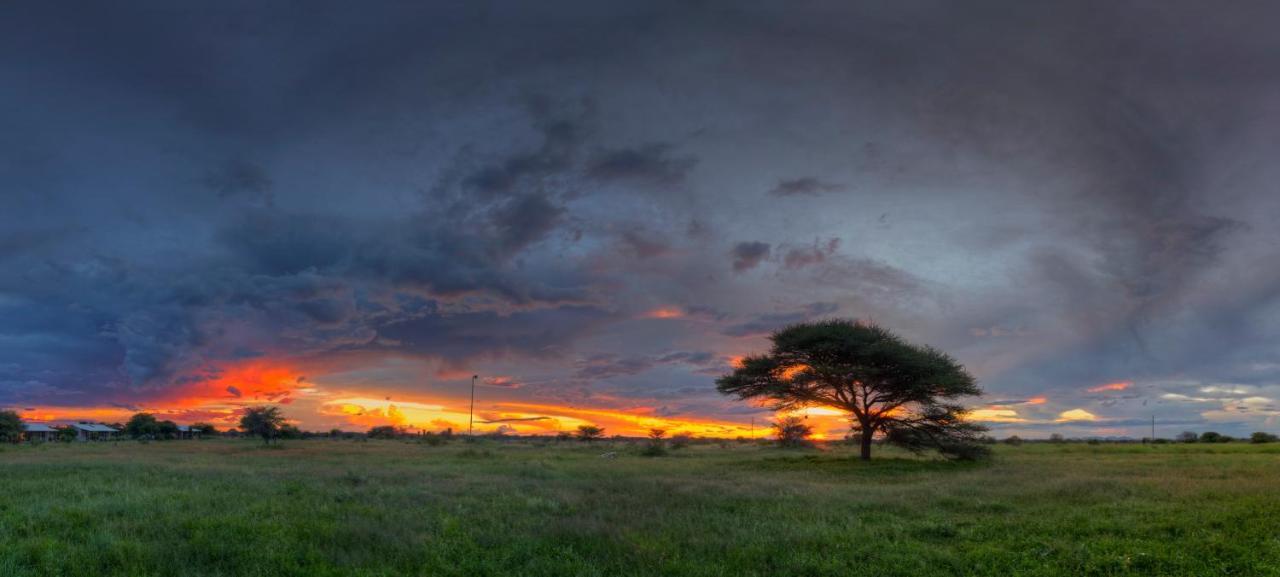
[{"x": 867, "y": 433}]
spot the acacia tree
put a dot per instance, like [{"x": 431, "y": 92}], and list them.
[
  {"x": 791, "y": 431},
  {"x": 264, "y": 422},
  {"x": 906, "y": 393},
  {"x": 589, "y": 433}
]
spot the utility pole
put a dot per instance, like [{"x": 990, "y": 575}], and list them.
[{"x": 471, "y": 414}]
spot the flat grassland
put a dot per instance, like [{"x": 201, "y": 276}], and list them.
[{"x": 319, "y": 507}]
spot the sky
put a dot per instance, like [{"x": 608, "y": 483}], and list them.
[{"x": 349, "y": 209}]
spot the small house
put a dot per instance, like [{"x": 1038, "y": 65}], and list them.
[
  {"x": 95, "y": 432},
  {"x": 186, "y": 432},
  {"x": 39, "y": 432}
]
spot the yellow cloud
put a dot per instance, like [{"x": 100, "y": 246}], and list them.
[
  {"x": 995, "y": 416},
  {"x": 1076, "y": 415}
]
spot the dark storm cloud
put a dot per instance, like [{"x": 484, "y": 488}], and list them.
[
  {"x": 608, "y": 365},
  {"x": 653, "y": 163},
  {"x": 800, "y": 257},
  {"x": 768, "y": 323},
  {"x": 562, "y": 130},
  {"x": 239, "y": 177},
  {"x": 466, "y": 336},
  {"x": 479, "y": 181},
  {"x": 748, "y": 255},
  {"x": 643, "y": 244},
  {"x": 804, "y": 186}
]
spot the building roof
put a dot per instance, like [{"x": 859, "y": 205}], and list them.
[
  {"x": 184, "y": 428},
  {"x": 38, "y": 428},
  {"x": 94, "y": 428}
]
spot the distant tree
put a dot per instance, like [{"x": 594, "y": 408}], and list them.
[
  {"x": 657, "y": 445},
  {"x": 11, "y": 428},
  {"x": 1214, "y": 437},
  {"x": 67, "y": 434},
  {"x": 291, "y": 432},
  {"x": 906, "y": 392},
  {"x": 167, "y": 430},
  {"x": 791, "y": 431},
  {"x": 1056, "y": 438},
  {"x": 262, "y": 422},
  {"x": 383, "y": 432},
  {"x": 204, "y": 429},
  {"x": 142, "y": 426},
  {"x": 1261, "y": 437},
  {"x": 589, "y": 433},
  {"x": 335, "y": 433},
  {"x": 1013, "y": 440},
  {"x": 681, "y": 440},
  {"x": 1188, "y": 437},
  {"x": 564, "y": 436}
]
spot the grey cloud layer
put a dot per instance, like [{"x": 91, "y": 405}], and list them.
[{"x": 1061, "y": 194}]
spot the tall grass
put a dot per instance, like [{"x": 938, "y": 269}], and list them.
[{"x": 319, "y": 508}]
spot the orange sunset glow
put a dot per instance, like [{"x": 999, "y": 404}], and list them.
[
  {"x": 1117, "y": 386},
  {"x": 664, "y": 313}
]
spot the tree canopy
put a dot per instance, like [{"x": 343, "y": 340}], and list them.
[
  {"x": 142, "y": 425},
  {"x": 10, "y": 426},
  {"x": 589, "y": 433},
  {"x": 904, "y": 392},
  {"x": 263, "y": 422}
]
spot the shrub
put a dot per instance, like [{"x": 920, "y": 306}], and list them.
[
  {"x": 1187, "y": 437},
  {"x": 290, "y": 432},
  {"x": 1013, "y": 440},
  {"x": 433, "y": 439},
  {"x": 1214, "y": 437},
  {"x": 681, "y": 440},
  {"x": 383, "y": 432},
  {"x": 792, "y": 432},
  {"x": 167, "y": 429},
  {"x": 657, "y": 445},
  {"x": 589, "y": 433},
  {"x": 1056, "y": 438},
  {"x": 1261, "y": 437}
]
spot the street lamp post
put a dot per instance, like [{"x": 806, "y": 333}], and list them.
[{"x": 471, "y": 414}]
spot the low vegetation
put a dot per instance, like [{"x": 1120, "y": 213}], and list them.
[{"x": 533, "y": 507}]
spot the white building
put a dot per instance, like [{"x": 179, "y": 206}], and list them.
[
  {"x": 95, "y": 432},
  {"x": 39, "y": 432}
]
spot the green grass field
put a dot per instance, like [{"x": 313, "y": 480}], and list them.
[{"x": 315, "y": 508}]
